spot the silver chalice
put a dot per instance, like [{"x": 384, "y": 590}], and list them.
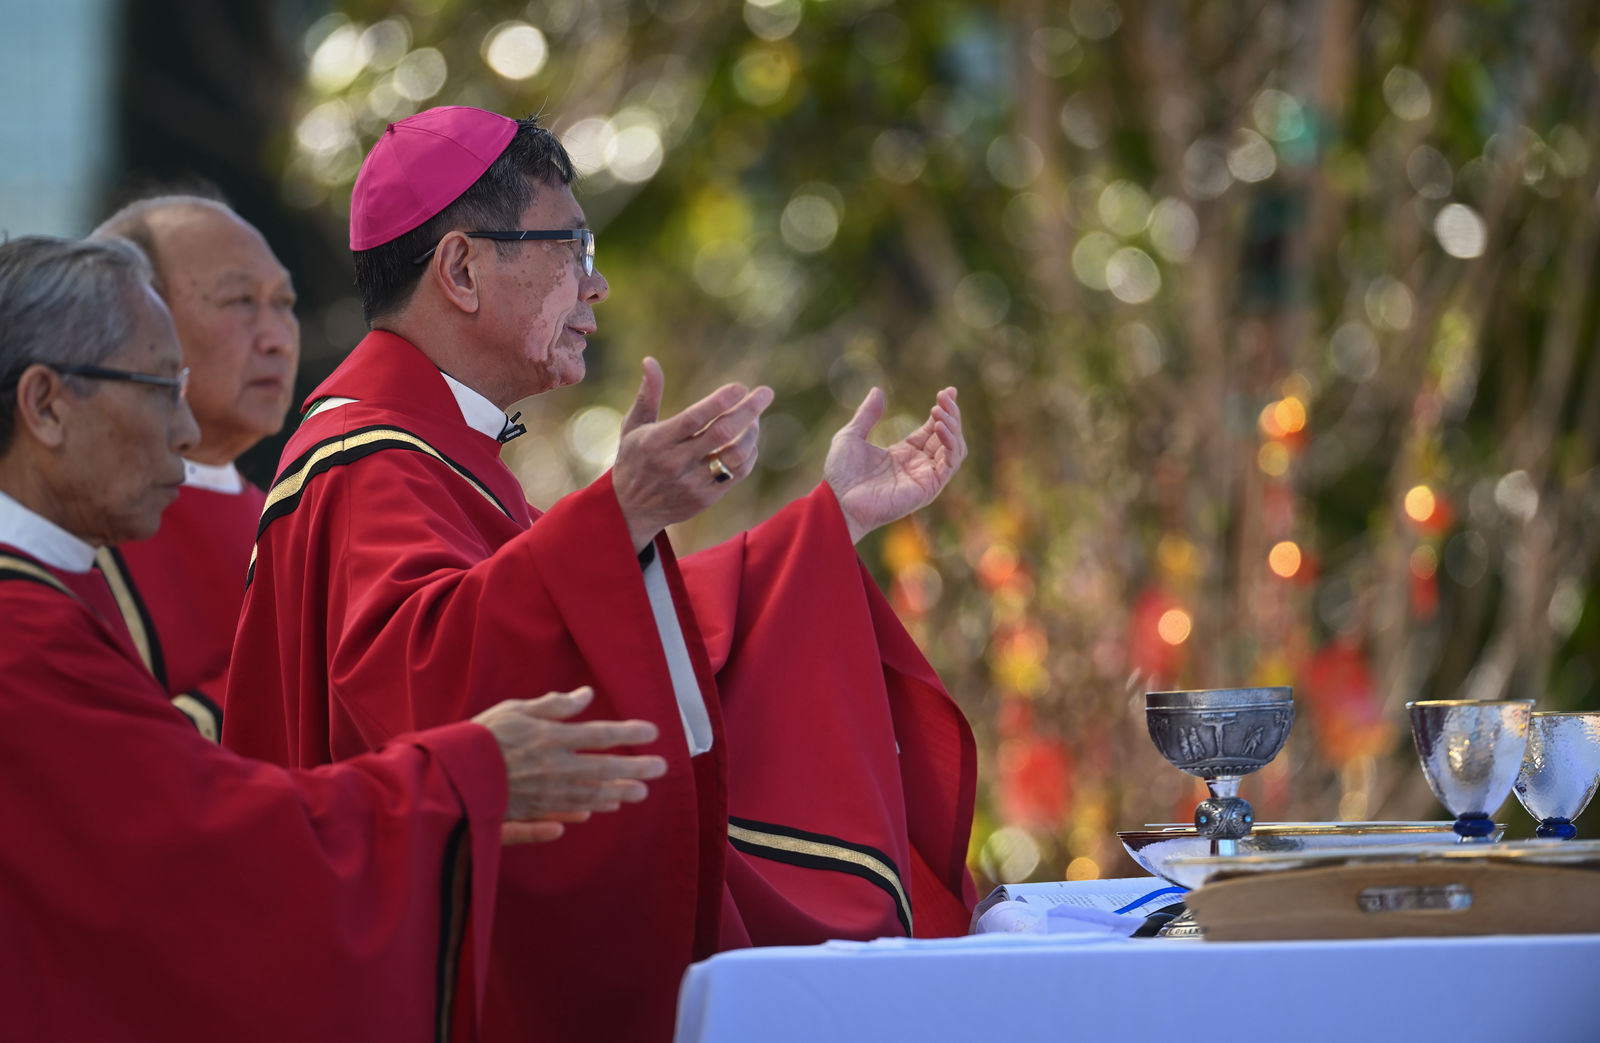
[
  {"x": 1560, "y": 770},
  {"x": 1220, "y": 735},
  {"x": 1471, "y": 751}
]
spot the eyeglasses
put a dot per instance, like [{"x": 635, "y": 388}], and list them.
[
  {"x": 583, "y": 236},
  {"x": 177, "y": 387}
]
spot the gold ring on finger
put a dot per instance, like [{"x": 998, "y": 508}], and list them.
[{"x": 719, "y": 470}]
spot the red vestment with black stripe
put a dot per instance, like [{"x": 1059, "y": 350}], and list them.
[
  {"x": 401, "y": 580},
  {"x": 154, "y": 885},
  {"x": 189, "y": 580}
]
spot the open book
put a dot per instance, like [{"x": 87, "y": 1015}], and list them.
[{"x": 1110, "y": 904}]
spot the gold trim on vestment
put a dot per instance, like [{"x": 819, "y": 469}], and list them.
[
  {"x": 291, "y": 485},
  {"x": 29, "y": 569},
  {"x": 880, "y": 869},
  {"x": 205, "y": 721},
  {"x": 122, "y": 592}
]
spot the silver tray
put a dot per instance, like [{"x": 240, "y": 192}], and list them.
[
  {"x": 1167, "y": 850},
  {"x": 1202, "y": 868}
]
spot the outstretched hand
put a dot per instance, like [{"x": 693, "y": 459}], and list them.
[
  {"x": 875, "y": 486},
  {"x": 552, "y": 778},
  {"x": 665, "y": 471}
]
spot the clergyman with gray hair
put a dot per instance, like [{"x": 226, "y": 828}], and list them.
[{"x": 157, "y": 885}]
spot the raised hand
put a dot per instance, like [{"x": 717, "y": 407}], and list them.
[
  {"x": 875, "y": 486},
  {"x": 667, "y": 470},
  {"x": 552, "y": 781}
]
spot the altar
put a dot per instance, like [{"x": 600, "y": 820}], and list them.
[{"x": 1499, "y": 988}]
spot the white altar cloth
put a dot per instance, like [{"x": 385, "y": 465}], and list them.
[{"x": 1038, "y": 987}]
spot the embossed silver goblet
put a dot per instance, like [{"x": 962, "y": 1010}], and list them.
[
  {"x": 1471, "y": 751},
  {"x": 1560, "y": 770},
  {"x": 1220, "y": 735}
]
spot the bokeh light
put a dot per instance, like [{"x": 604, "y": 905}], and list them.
[
  {"x": 515, "y": 50},
  {"x": 421, "y": 74},
  {"x": 1407, "y": 93},
  {"x": 1251, "y": 158},
  {"x": 1420, "y": 503},
  {"x": 593, "y": 435},
  {"x": 1174, "y": 230},
  {"x": 1132, "y": 276},
  {"x": 772, "y": 19},
  {"x": 1010, "y": 855},
  {"x": 1460, "y": 231},
  {"x": 1284, "y": 558},
  {"x": 762, "y": 75},
  {"x": 1174, "y": 626},
  {"x": 811, "y": 219},
  {"x": 1273, "y": 459}
]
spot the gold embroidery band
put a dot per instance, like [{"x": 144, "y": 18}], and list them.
[
  {"x": 202, "y": 713},
  {"x": 345, "y": 449},
  {"x": 797, "y": 847},
  {"x": 133, "y": 611},
  {"x": 12, "y": 567}
]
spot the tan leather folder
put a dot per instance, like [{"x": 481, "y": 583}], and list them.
[{"x": 1375, "y": 899}]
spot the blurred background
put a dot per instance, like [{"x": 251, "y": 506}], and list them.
[{"x": 1271, "y": 320}]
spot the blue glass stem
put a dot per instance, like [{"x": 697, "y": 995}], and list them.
[
  {"x": 1556, "y": 829},
  {"x": 1474, "y": 825}
]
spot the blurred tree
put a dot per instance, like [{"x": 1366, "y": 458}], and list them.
[{"x": 1272, "y": 323}]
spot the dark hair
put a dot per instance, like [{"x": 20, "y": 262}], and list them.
[
  {"x": 385, "y": 274},
  {"x": 63, "y": 303}
]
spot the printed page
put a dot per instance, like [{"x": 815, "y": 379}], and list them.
[{"x": 1138, "y": 896}]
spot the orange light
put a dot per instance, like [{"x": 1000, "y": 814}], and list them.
[
  {"x": 1284, "y": 558},
  {"x": 1269, "y": 421},
  {"x": 1174, "y": 626},
  {"x": 997, "y": 565},
  {"x": 1420, "y": 503},
  {"x": 1290, "y": 415},
  {"x": 1083, "y": 868}
]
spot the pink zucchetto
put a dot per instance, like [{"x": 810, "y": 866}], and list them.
[{"x": 421, "y": 165}]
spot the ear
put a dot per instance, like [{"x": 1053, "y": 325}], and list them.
[
  {"x": 453, "y": 269},
  {"x": 43, "y": 407}
]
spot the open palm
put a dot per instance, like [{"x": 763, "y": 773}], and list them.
[{"x": 876, "y": 485}]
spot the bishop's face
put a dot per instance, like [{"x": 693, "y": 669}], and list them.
[{"x": 536, "y": 302}]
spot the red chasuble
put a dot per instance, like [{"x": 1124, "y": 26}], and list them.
[
  {"x": 401, "y": 580},
  {"x": 179, "y": 593},
  {"x": 156, "y": 886}
]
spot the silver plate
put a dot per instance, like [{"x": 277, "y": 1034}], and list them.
[
  {"x": 1538, "y": 852},
  {"x": 1159, "y": 848}
]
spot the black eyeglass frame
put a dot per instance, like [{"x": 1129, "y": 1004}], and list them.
[
  {"x": 178, "y": 385},
  {"x": 556, "y": 235}
]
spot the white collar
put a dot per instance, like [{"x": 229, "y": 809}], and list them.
[
  {"x": 218, "y": 478},
  {"x": 479, "y": 413},
  {"x": 42, "y": 538}
]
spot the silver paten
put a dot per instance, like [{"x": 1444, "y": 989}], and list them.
[
  {"x": 1560, "y": 770},
  {"x": 1164, "y": 851},
  {"x": 1220, "y": 735}
]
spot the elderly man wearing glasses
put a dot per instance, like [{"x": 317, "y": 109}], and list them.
[
  {"x": 233, "y": 305},
  {"x": 155, "y": 885},
  {"x": 820, "y": 780}
]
